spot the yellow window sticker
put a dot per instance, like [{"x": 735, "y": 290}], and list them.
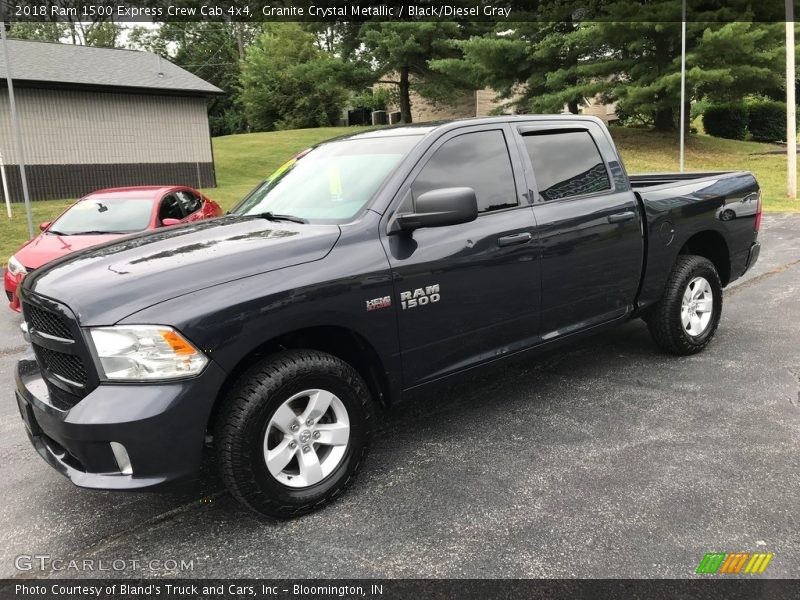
[{"x": 335, "y": 183}]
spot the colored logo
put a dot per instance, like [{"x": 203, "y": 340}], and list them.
[{"x": 734, "y": 562}]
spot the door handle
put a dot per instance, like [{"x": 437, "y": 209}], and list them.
[
  {"x": 620, "y": 217},
  {"x": 515, "y": 238}
]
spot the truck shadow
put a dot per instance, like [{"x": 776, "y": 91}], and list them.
[{"x": 519, "y": 385}]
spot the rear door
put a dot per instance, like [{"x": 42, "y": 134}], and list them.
[
  {"x": 588, "y": 224},
  {"x": 466, "y": 293}
]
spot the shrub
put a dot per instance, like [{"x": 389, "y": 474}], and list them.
[
  {"x": 726, "y": 120},
  {"x": 767, "y": 120},
  {"x": 376, "y": 98}
]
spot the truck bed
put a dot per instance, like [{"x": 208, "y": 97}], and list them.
[{"x": 647, "y": 180}]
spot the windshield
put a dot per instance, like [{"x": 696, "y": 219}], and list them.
[
  {"x": 332, "y": 182},
  {"x": 115, "y": 215}
]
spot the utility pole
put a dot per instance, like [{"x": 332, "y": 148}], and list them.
[
  {"x": 791, "y": 107},
  {"x": 683, "y": 81},
  {"x": 18, "y": 149}
]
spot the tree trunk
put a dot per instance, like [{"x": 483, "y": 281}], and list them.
[
  {"x": 239, "y": 40},
  {"x": 664, "y": 119},
  {"x": 572, "y": 106},
  {"x": 405, "y": 96}
]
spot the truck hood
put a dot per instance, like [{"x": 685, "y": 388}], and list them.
[{"x": 106, "y": 283}]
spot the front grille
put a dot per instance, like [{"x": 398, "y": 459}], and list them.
[
  {"x": 60, "y": 351},
  {"x": 48, "y": 322},
  {"x": 68, "y": 366}
]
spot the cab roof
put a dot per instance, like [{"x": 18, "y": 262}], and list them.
[{"x": 422, "y": 129}]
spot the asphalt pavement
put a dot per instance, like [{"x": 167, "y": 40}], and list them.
[{"x": 603, "y": 459}]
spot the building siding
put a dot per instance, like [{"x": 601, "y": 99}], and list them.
[
  {"x": 71, "y": 127},
  {"x": 78, "y": 141}
]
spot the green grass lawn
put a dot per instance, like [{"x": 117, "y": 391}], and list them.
[{"x": 242, "y": 161}]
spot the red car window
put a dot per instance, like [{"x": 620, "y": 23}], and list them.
[
  {"x": 107, "y": 215},
  {"x": 171, "y": 208}
]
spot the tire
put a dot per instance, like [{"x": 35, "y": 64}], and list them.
[
  {"x": 666, "y": 320},
  {"x": 253, "y": 424}
]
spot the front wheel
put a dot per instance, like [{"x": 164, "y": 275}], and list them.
[
  {"x": 293, "y": 432},
  {"x": 685, "y": 319}
]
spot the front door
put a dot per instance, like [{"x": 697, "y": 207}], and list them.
[{"x": 466, "y": 293}]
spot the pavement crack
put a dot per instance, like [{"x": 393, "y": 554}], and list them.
[{"x": 759, "y": 278}]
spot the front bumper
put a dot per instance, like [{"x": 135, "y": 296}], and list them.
[{"x": 161, "y": 426}]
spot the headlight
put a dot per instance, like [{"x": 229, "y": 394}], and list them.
[
  {"x": 15, "y": 267},
  {"x": 145, "y": 352}
]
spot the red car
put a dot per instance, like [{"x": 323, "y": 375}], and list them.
[{"x": 103, "y": 216}]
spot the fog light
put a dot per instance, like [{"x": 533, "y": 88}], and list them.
[
  {"x": 122, "y": 458},
  {"x": 24, "y": 327}
]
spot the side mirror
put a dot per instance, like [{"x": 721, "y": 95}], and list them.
[
  {"x": 438, "y": 208},
  {"x": 44, "y": 225},
  {"x": 170, "y": 222}
]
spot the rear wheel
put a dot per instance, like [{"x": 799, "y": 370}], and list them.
[
  {"x": 685, "y": 319},
  {"x": 293, "y": 432}
]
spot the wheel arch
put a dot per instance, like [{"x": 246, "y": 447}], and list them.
[
  {"x": 341, "y": 342},
  {"x": 710, "y": 244}
]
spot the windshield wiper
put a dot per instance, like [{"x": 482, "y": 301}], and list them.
[{"x": 271, "y": 216}]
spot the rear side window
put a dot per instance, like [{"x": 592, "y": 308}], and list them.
[
  {"x": 478, "y": 160},
  {"x": 566, "y": 164}
]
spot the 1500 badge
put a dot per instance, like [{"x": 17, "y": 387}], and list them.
[{"x": 420, "y": 296}]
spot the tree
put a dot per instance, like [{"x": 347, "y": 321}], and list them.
[
  {"x": 737, "y": 59},
  {"x": 634, "y": 62},
  {"x": 640, "y": 67},
  {"x": 402, "y": 51},
  {"x": 538, "y": 65},
  {"x": 148, "y": 39},
  {"x": 103, "y": 34},
  {"x": 288, "y": 82},
  {"x": 99, "y": 31},
  {"x": 38, "y": 31},
  {"x": 339, "y": 38}
]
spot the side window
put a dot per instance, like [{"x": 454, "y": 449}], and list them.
[
  {"x": 566, "y": 164},
  {"x": 189, "y": 201},
  {"x": 170, "y": 208},
  {"x": 478, "y": 160}
]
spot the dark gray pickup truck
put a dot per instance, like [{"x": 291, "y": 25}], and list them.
[{"x": 367, "y": 267}]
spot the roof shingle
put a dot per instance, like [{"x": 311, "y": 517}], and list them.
[{"x": 67, "y": 64}]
